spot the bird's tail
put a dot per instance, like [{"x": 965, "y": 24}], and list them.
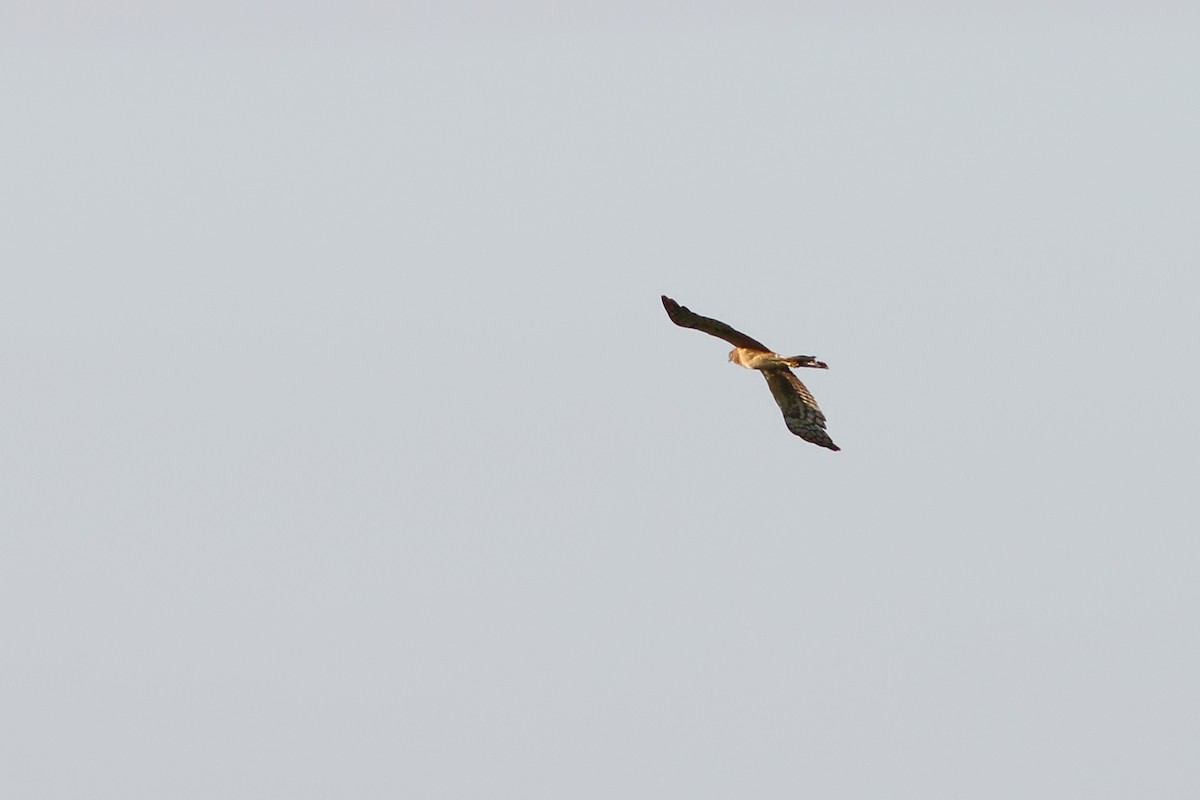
[{"x": 805, "y": 361}]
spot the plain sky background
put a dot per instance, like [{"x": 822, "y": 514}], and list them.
[{"x": 347, "y": 450}]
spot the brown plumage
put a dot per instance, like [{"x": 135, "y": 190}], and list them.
[{"x": 800, "y": 411}]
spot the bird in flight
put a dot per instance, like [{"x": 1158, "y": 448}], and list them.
[{"x": 800, "y": 411}]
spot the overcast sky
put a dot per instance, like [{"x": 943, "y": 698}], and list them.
[{"x": 347, "y": 450}]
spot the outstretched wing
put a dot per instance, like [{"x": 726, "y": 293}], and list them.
[
  {"x": 685, "y": 318},
  {"x": 800, "y": 411}
]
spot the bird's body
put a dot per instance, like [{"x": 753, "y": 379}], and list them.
[
  {"x": 757, "y": 359},
  {"x": 800, "y": 410}
]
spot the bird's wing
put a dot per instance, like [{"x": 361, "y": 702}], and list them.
[
  {"x": 685, "y": 318},
  {"x": 800, "y": 411}
]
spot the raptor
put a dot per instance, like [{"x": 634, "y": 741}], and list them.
[{"x": 800, "y": 410}]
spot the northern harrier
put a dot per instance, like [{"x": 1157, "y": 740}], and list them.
[{"x": 800, "y": 411}]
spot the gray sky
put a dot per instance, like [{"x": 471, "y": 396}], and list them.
[{"x": 347, "y": 450}]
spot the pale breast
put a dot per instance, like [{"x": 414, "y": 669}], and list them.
[{"x": 753, "y": 359}]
